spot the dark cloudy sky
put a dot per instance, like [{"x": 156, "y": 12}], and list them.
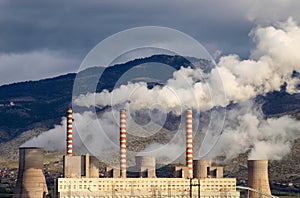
[{"x": 41, "y": 39}]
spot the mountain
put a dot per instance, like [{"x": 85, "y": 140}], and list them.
[
  {"x": 41, "y": 104},
  {"x": 28, "y": 105}
]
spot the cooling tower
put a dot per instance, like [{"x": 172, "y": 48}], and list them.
[
  {"x": 258, "y": 177},
  {"x": 189, "y": 142},
  {"x": 31, "y": 181},
  {"x": 146, "y": 166},
  {"x": 123, "y": 143},
  {"x": 201, "y": 168}
]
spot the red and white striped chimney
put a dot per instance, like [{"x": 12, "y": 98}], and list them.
[
  {"x": 123, "y": 143},
  {"x": 189, "y": 142},
  {"x": 69, "y": 132}
]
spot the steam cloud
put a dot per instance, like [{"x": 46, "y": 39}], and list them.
[
  {"x": 271, "y": 64},
  {"x": 96, "y": 135},
  {"x": 247, "y": 131}
]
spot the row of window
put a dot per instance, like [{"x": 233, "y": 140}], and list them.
[
  {"x": 146, "y": 181},
  {"x": 145, "y": 196}
]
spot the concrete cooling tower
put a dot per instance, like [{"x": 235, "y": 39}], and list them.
[
  {"x": 146, "y": 166},
  {"x": 31, "y": 181},
  {"x": 201, "y": 168},
  {"x": 258, "y": 177}
]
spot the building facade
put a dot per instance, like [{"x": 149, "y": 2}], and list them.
[{"x": 146, "y": 187}]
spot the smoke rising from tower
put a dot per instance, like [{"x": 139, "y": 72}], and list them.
[{"x": 271, "y": 64}]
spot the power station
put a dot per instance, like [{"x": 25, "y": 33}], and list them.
[{"x": 198, "y": 178}]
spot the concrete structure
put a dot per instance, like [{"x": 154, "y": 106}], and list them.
[
  {"x": 216, "y": 171},
  {"x": 70, "y": 132},
  {"x": 258, "y": 177},
  {"x": 204, "y": 169},
  {"x": 112, "y": 172},
  {"x": 123, "y": 143},
  {"x": 72, "y": 166},
  {"x": 201, "y": 168},
  {"x": 31, "y": 181},
  {"x": 93, "y": 167},
  {"x": 146, "y": 166},
  {"x": 146, "y": 187},
  {"x": 80, "y": 166},
  {"x": 180, "y": 172},
  {"x": 189, "y": 142}
]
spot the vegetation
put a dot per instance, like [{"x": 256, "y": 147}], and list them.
[
  {"x": 44, "y": 102},
  {"x": 5, "y": 195}
]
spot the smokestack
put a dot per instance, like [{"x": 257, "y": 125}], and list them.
[
  {"x": 123, "y": 143},
  {"x": 258, "y": 177},
  {"x": 69, "y": 132},
  {"x": 189, "y": 142},
  {"x": 31, "y": 181}
]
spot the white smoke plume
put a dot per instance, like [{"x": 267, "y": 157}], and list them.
[
  {"x": 270, "y": 65},
  {"x": 179, "y": 92},
  {"x": 165, "y": 154},
  {"x": 99, "y": 135},
  {"x": 247, "y": 131},
  {"x": 52, "y": 140}
]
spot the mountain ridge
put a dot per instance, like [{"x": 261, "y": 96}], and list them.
[{"x": 41, "y": 104}]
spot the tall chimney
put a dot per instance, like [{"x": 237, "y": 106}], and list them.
[
  {"x": 123, "y": 143},
  {"x": 31, "y": 181},
  {"x": 189, "y": 142},
  {"x": 258, "y": 177},
  {"x": 69, "y": 132}
]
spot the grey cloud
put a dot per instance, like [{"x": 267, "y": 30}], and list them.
[
  {"x": 75, "y": 27},
  {"x": 33, "y": 66}
]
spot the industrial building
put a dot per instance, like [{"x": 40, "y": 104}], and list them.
[{"x": 198, "y": 178}]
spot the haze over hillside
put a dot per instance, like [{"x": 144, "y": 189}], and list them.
[
  {"x": 42, "y": 103},
  {"x": 27, "y": 105}
]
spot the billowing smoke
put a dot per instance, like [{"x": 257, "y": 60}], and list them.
[
  {"x": 52, "y": 140},
  {"x": 246, "y": 131},
  {"x": 271, "y": 64},
  {"x": 94, "y": 133},
  {"x": 179, "y": 92}
]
